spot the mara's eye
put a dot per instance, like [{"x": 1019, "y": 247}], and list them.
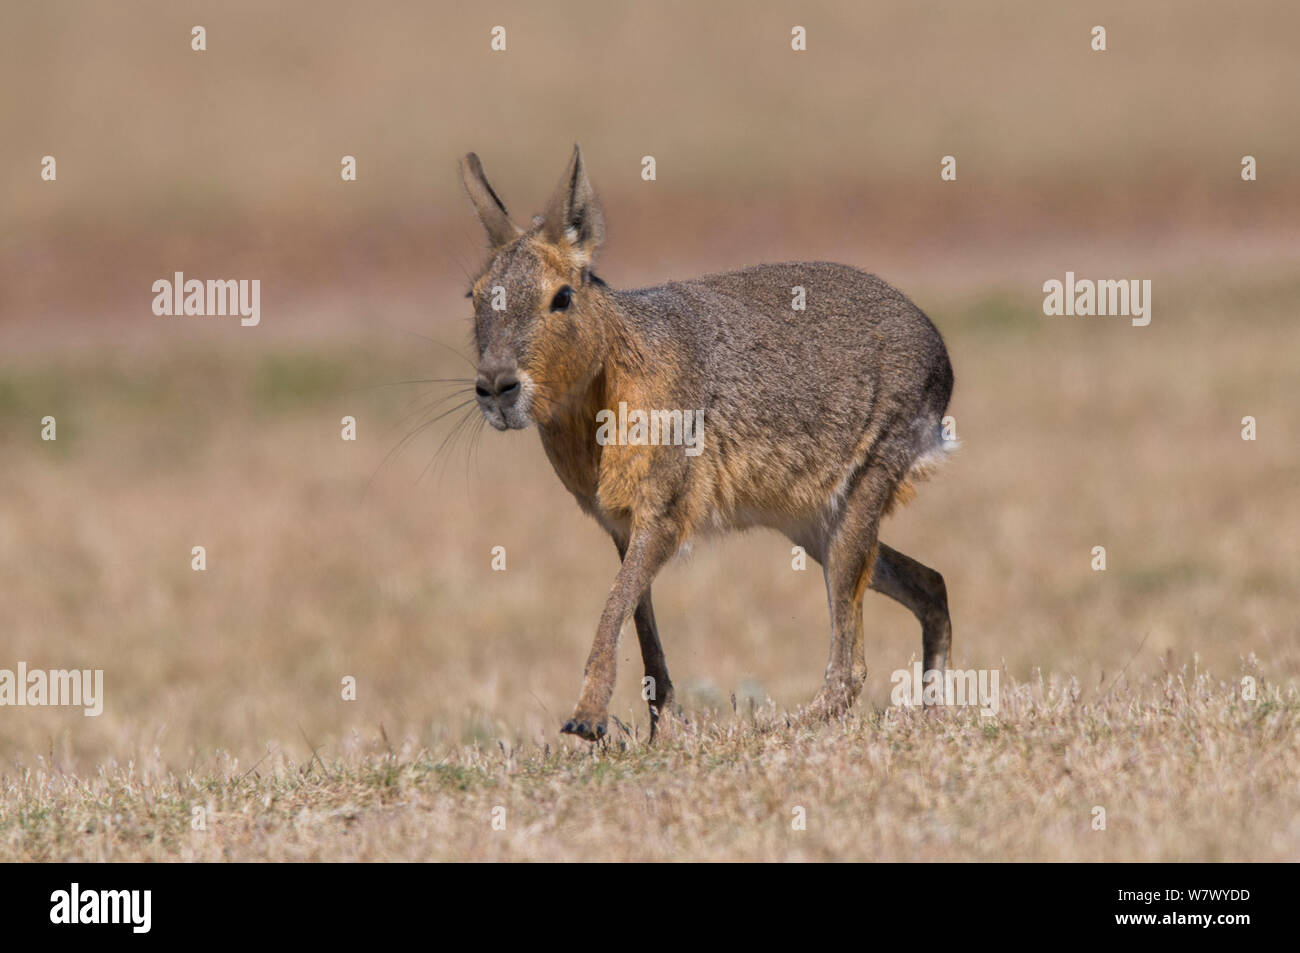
[{"x": 563, "y": 298}]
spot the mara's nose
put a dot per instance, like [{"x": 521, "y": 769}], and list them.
[{"x": 501, "y": 386}]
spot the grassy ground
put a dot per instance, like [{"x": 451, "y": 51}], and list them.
[
  {"x": 1180, "y": 768},
  {"x": 221, "y": 684}
]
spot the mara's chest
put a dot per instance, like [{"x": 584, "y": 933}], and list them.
[
  {"x": 575, "y": 457},
  {"x": 607, "y": 479}
]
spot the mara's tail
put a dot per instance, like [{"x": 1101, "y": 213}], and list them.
[{"x": 934, "y": 453}]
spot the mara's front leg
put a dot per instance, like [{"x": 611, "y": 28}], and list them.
[{"x": 652, "y": 543}]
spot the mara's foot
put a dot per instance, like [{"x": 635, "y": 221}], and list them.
[{"x": 587, "y": 725}]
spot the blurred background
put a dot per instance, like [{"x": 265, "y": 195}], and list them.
[{"x": 325, "y": 561}]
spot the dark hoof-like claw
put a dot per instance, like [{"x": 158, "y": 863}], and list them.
[{"x": 584, "y": 730}]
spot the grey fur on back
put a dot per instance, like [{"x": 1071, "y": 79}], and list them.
[{"x": 861, "y": 370}]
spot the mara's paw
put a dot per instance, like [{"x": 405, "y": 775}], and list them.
[
  {"x": 661, "y": 712},
  {"x": 835, "y": 700},
  {"x": 661, "y": 722},
  {"x": 587, "y": 726}
]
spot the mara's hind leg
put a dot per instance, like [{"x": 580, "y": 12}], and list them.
[
  {"x": 920, "y": 589},
  {"x": 658, "y": 693},
  {"x": 850, "y": 554}
]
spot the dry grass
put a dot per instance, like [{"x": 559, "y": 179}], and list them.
[
  {"x": 220, "y": 684},
  {"x": 1184, "y": 769}
]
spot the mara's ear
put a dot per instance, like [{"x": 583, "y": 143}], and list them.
[
  {"x": 491, "y": 211},
  {"x": 573, "y": 216}
]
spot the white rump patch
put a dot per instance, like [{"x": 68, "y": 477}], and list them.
[{"x": 931, "y": 459}]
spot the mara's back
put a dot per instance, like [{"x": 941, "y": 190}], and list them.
[{"x": 809, "y": 392}]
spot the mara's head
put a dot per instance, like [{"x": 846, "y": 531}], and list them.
[{"x": 537, "y": 306}]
